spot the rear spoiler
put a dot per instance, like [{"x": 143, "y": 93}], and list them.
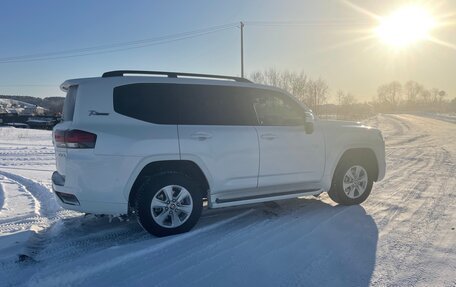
[
  {"x": 74, "y": 82},
  {"x": 66, "y": 85}
]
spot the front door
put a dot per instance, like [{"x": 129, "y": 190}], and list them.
[{"x": 289, "y": 157}]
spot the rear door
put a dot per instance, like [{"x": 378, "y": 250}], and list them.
[{"x": 216, "y": 130}]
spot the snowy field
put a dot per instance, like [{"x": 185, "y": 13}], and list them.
[
  {"x": 403, "y": 235},
  {"x": 444, "y": 117}
]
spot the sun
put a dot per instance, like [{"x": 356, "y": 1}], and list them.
[{"x": 405, "y": 26}]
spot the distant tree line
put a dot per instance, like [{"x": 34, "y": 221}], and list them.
[
  {"x": 314, "y": 93},
  {"x": 412, "y": 96},
  {"x": 391, "y": 97}
]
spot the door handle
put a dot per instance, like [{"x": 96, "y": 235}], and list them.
[
  {"x": 268, "y": 136},
  {"x": 201, "y": 136}
]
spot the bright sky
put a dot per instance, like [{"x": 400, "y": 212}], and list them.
[{"x": 332, "y": 39}]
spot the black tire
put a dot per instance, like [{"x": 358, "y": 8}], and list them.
[
  {"x": 154, "y": 184},
  {"x": 337, "y": 194}
]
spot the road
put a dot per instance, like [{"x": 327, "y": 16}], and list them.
[{"x": 403, "y": 235}]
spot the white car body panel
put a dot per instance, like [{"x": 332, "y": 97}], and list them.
[
  {"x": 230, "y": 153},
  {"x": 303, "y": 161},
  {"x": 343, "y": 136}
]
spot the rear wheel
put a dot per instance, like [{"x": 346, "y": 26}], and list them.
[
  {"x": 352, "y": 182},
  {"x": 169, "y": 203}
]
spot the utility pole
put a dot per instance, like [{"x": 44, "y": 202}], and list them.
[{"x": 242, "y": 49}]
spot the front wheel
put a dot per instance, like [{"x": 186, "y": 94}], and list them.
[
  {"x": 169, "y": 203},
  {"x": 352, "y": 182}
]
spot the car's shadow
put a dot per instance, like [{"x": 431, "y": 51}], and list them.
[{"x": 304, "y": 242}]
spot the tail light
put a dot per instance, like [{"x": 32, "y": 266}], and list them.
[
  {"x": 74, "y": 139},
  {"x": 59, "y": 138}
]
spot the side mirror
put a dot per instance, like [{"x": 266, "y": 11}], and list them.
[{"x": 309, "y": 122}]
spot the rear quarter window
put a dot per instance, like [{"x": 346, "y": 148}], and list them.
[
  {"x": 153, "y": 103},
  {"x": 69, "y": 103}
]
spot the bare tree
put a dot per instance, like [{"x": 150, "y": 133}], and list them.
[
  {"x": 311, "y": 92},
  {"x": 395, "y": 89},
  {"x": 434, "y": 95},
  {"x": 270, "y": 77},
  {"x": 348, "y": 100},
  {"x": 412, "y": 91},
  {"x": 273, "y": 77},
  {"x": 298, "y": 84},
  {"x": 258, "y": 77},
  {"x": 346, "y": 105},
  {"x": 390, "y": 94},
  {"x": 317, "y": 93},
  {"x": 425, "y": 97},
  {"x": 340, "y": 95}
]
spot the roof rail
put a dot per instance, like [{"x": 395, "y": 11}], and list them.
[{"x": 121, "y": 73}]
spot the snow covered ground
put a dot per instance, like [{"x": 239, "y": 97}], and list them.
[
  {"x": 404, "y": 235},
  {"x": 444, "y": 117}
]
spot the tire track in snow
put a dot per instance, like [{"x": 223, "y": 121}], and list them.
[
  {"x": 90, "y": 234},
  {"x": 394, "y": 182},
  {"x": 78, "y": 275},
  {"x": 428, "y": 209},
  {"x": 267, "y": 235},
  {"x": 19, "y": 210},
  {"x": 400, "y": 161},
  {"x": 2, "y": 196},
  {"x": 401, "y": 194},
  {"x": 260, "y": 228},
  {"x": 48, "y": 206},
  {"x": 212, "y": 247},
  {"x": 40, "y": 223},
  {"x": 11, "y": 157},
  {"x": 408, "y": 230},
  {"x": 262, "y": 231},
  {"x": 100, "y": 234}
]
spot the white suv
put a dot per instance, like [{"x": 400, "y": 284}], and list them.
[{"x": 156, "y": 144}]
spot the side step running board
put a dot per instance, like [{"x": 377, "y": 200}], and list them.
[{"x": 224, "y": 202}]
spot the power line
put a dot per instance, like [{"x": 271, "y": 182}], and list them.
[
  {"x": 310, "y": 23},
  {"x": 123, "y": 46},
  {"x": 116, "y": 47}
]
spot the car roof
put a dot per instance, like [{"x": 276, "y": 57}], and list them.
[{"x": 125, "y": 80}]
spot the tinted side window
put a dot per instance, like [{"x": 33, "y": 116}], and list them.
[
  {"x": 154, "y": 103},
  {"x": 216, "y": 105},
  {"x": 277, "y": 110},
  {"x": 186, "y": 104}
]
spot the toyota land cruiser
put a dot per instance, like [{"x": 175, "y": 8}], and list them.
[{"x": 156, "y": 144}]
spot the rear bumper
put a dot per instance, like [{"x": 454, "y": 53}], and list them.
[{"x": 71, "y": 199}]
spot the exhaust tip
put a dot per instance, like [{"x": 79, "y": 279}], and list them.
[{"x": 67, "y": 198}]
